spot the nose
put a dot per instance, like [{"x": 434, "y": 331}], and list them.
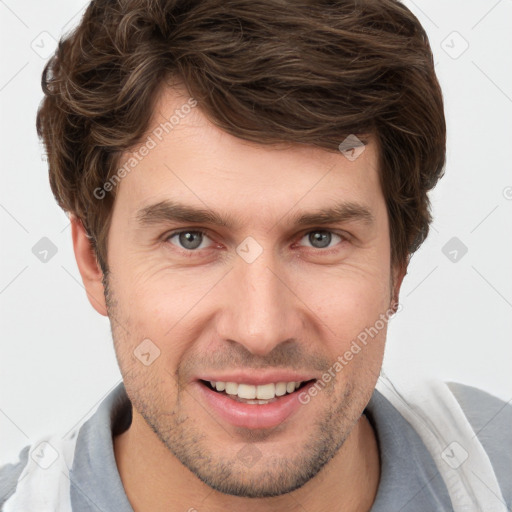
[{"x": 259, "y": 310}]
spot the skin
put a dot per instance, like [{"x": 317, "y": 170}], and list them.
[{"x": 297, "y": 306}]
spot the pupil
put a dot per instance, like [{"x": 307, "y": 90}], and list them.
[
  {"x": 320, "y": 239},
  {"x": 187, "y": 239}
]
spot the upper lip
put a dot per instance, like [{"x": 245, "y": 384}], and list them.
[{"x": 257, "y": 377}]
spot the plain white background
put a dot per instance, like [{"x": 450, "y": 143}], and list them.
[{"x": 57, "y": 360}]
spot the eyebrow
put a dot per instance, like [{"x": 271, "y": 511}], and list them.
[{"x": 172, "y": 211}]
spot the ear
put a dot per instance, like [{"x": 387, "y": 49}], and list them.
[
  {"x": 399, "y": 272},
  {"x": 88, "y": 266}
]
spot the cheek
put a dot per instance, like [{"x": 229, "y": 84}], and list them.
[
  {"x": 346, "y": 300},
  {"x": 349, "y": 306},
  {"x": 166, "y": 307}
]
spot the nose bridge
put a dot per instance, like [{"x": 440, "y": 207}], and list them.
[{"x": 259, "y": 312}]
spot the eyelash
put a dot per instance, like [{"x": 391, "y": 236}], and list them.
[{"x": 191, "y": 252}]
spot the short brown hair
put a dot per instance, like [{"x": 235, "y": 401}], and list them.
[{"x": 268, "y": 71}]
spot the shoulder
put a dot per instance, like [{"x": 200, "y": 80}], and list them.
[
  {"x": 40, "y": 478},
  {"x": 10, "y": 474},
  {"x": 485, "y": 412},
  {"x": 491, "y": 419},
  {"x": 465, "y": 430},
  {"x": 51, "y": 472}
]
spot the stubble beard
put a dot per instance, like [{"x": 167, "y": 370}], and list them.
[{"x": 271, "y": 475}]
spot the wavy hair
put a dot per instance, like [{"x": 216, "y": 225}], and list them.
[{"x": 268, "y": 71}]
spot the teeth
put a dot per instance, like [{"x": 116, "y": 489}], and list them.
[
  {"x": 281, "y": 388},
  {"x": 261, "y": 393},
  {"x": 231, "y": 388},
  {"x": 246, "y": 391},
  {"x": 266, "y": 391}
]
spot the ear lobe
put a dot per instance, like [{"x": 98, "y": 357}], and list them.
[
  {"x": 399, "y": 273},
  {"x": 92, "y": 275}
]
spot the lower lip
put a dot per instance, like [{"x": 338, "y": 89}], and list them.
[{"x": 252, "y": 416}]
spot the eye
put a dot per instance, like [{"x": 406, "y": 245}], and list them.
[
  {"x": 188, "y": 239},
  {"x": 321, "y": 239}
]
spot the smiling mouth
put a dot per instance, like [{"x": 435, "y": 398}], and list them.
[{"x": 256, "y": 395}]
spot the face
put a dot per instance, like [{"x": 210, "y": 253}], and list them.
[{"x": 258, "y": 289}]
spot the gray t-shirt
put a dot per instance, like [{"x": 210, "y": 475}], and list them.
[{"x": 410, "y": 481}]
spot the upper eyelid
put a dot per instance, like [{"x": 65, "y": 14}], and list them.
[
  {"x": 168, "y": 234},
  {"x": 299, "y": 236}
]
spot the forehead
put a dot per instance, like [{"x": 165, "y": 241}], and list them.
[{"x": 189, "y": 159}]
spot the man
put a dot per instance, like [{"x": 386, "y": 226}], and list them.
[{"x": 246, "y": 183}]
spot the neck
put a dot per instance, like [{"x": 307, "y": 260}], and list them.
[{"x": 155, "y": 480}]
